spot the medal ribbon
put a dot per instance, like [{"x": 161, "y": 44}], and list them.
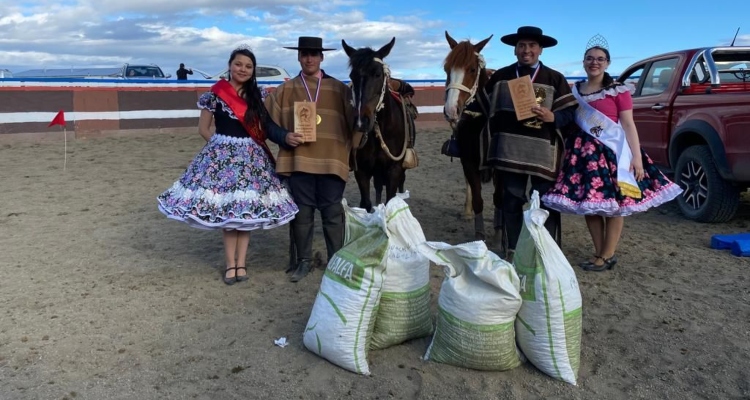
[
  {"x": 307, "y": 89},
  {"x": 533, "y": 77}
]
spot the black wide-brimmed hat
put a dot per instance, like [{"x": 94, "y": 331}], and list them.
[
  {"x": 529, "y": 32},
  {"x": 309, "y": 43}
]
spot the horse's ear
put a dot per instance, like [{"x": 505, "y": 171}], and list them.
[
  {"x": 385, "y": 50},
  {"x": 348, "y": 49},
  {"x": 479, "y": 46},
  {"x": 452, "y": 42}
]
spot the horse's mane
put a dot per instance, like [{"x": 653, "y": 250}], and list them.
[
  {"x": 361, "y": 58},
  {"x": 461, "y": 56}
]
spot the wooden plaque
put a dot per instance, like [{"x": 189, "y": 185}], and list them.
[
  {"x": 522, "y": 93},
  {"x": 305, "y": 119}
]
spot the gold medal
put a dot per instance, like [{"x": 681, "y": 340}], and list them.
[{"x": 318, "y": 119}]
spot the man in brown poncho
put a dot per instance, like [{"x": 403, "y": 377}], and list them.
[{"x": 317, "y": 171}]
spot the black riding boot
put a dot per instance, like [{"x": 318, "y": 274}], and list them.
[
  {"x": 302, "y": 231},
  {"x": 333, "y": 227},
  {"x": 498, "y": 244},
  {"x": 512, "y": 224},
  {"x": 292, "y": 250}
]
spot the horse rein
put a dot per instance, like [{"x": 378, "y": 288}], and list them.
[{"x": 406, "y": 132}]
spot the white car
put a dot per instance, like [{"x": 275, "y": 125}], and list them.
[{"x": 263, "y": 73}]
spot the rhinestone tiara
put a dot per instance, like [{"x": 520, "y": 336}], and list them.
[{"x": 597, "y": 41}]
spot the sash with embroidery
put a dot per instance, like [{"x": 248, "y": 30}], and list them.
[
  {"x": 226, "y": 92},
  {"x": 612, "y": 135}
]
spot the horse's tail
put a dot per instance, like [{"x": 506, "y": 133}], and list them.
[{"x": 486, "y": 174}]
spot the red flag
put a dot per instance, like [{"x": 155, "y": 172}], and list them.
[{"x": 58, "y": 120}]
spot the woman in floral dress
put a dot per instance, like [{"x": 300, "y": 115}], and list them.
[
  {"x": 605, "y": 174},
  {"x": 231, "y": 184}
]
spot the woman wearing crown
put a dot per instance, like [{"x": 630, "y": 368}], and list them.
[{"x": 605, "y": 174}]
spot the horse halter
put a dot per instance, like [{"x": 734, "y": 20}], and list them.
[{"x": 473, "y": 91}]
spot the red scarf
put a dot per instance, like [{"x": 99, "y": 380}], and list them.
[{"x": 226, "y": 92}]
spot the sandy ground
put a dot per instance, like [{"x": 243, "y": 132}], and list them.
[{"x": 105, "y": 298}]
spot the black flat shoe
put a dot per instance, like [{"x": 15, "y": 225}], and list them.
[
  {"x": 241, "y": 278},
  {"x": 609, "y": 263},
  {"x": 232, "y": 280},
  {"x": 588, "y": 264}
]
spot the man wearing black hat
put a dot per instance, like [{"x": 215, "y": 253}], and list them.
[
  {"x": 317, "y": 170},
  {"x": 529, "y": 149}
]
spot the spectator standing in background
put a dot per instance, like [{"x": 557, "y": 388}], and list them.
[{"x": 183, "y": 72}]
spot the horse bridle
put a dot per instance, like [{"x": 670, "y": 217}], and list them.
[
  {"x": 473, "y": 91},
  {"x": 386, "y": 75},
  {"x": 379, "y": 106}
]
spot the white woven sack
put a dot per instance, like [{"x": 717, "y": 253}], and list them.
[
  {"x": 548, "y": 325},
  {"x": 342, "y": 317},
  {"x": 477, "y": 308},
  {"x": 404, "y": 311}
]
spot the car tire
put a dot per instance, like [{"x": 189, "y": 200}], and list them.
[{"x": 706, "y": 196}]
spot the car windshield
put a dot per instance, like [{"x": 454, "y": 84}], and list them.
[
  {"x": 264, "y": 72},
  {"x": 143, "y": 72}
]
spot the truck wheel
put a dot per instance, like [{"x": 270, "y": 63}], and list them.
[{"x": 706, "y": 196}]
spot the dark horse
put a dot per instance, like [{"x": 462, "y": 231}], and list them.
[
  {"x": 381, "y": 117},
  {"x": 466, "y": 78}
]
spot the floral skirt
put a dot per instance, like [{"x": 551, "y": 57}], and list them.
[
  {"x": 230, "y": 184},
  {"x": 587, "y": 183}
]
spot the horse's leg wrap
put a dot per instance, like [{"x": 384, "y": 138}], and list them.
[{"x": 333, "y": 227}]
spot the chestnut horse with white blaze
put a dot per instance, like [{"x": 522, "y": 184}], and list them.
[{"x": 466, "y": 78}]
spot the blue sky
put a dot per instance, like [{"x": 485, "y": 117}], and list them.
[{"x": 202, "y": 33}]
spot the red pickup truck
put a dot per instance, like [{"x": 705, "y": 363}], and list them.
[{"x": 692, "y": 111}]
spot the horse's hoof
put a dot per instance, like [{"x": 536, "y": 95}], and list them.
[{"x": 479, "y": 236}]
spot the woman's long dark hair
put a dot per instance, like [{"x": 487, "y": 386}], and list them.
[
  {"x": 607, "y": 78},
  {"x": 250, "y": 90}
]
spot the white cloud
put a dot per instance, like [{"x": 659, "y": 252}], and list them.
[{"x": 84, "y": 33}]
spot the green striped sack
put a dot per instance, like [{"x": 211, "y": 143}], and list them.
[
  {"x": 342, "y": 318},
  {"x": 404, "y": 311},
  {"x": 548, "y": 325},
  {"x": 477, "y": 308}
]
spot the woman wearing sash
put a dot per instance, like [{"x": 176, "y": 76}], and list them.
[
  {"x": 605, "y": 174},
  {"x": 231, "y": 184}
]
